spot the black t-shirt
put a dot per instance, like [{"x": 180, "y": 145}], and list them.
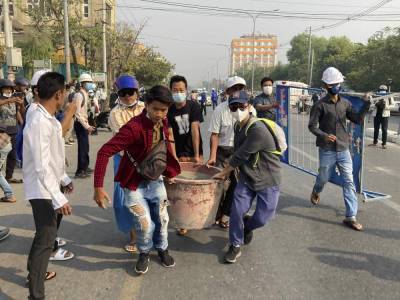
[{"x": 180, "y": 121}]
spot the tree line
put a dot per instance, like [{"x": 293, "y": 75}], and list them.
[{"x": 366, "y": 66}]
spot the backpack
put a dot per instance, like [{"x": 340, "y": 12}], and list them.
[{"x": 277, "y": 133}]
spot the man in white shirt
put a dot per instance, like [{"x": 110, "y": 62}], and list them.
[
  {"x": 221, "y": 143},
  {"x": 82, "y": 126},
  {"x": 44, "y": 173}
]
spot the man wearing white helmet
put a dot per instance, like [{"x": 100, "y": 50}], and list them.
[
  {"x": 328, "y": 123},
  {"x": 221, "y": 143},
  {"x": 81, "y": 125},
  {"x": 381, "y": 115}
]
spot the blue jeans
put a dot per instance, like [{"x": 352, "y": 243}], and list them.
[
  {"x": 8, "y": 192},
  {"x": 148, "y": 205},
  {"x": 267, "y": 200},
  {"x": 327, "y": 161}
]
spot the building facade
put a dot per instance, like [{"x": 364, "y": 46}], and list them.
[{"x": 265, "y": 49}]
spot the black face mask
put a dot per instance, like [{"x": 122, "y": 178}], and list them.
[{"x": 334, "y": 90}]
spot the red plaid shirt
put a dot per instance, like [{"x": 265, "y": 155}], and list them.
[{"x": 136, "y": 136}]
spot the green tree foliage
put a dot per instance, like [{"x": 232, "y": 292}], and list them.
[{"x": 365, "y": 66}]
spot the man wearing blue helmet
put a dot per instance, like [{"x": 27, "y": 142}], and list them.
[{"x": 128, "y": 106}]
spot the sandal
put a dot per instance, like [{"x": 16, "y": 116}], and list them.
[
  {"x": 61, "y": 255},
  {"x": 8, "y": 199},
  {"x": 61, "y": 242},
  {"x": 223, "y": 224},
  {"x": 49, "y": 276},
  {"x": 353, "y": 224},
  {"x": 131, "y": 248},
  {"x": 181, "y": 231},
  {"x": 13, "y": 180},
  {"x": 315, "y": 198}
]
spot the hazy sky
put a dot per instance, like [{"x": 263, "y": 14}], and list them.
[{"x": 194, "y": 59}]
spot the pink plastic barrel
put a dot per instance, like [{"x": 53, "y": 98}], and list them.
[{"x": 194, "y": 197}]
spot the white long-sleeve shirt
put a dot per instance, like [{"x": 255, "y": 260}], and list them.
[
  {"x": 82, "y": 105},
  {"x": 44, "y": 158}
]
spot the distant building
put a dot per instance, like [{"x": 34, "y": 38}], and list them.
[
  {"x": 90, "y": 10},
  {"x": 265, "y": 51}
]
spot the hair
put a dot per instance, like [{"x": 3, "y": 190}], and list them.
[
  {"x": 159, "y": 93},
  {"x": 49, "y": 84},
  {"x": 265, "y": 79},
  {"x": 177, "y": 78}
]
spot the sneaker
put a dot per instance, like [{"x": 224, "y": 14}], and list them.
[
  {"x": 166, "y": 259},
  {"x": 81, "y": 175},
  {"x": 384, "y": 147},
  {"x": 315, "y": 198},
  {"x": 232, "y": 254},
  {"x": 248, "y": 234},
  {"x": 142, "y": 265},
  {"x": 4, "y": 232}
]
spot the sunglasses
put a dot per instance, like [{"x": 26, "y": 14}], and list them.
[
  {"x": 124, "y": 92},
  {"x": 235, "y": 106}
]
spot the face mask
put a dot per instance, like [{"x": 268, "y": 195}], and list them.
[
  {"x": 267, "y": 90},
  {"x": 179, "y": 97},
  {"x": 7, "y": 95},
  {"x": 89, "y": 86},
  {"x": 240, "y": 115},
  {"x": 334, "y": 90}
]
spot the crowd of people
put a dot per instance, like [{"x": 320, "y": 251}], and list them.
[{"x": 150, "y": 139}]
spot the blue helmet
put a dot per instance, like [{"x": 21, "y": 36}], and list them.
[{"x": 127, "y": 82}]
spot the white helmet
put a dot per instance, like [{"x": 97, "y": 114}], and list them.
[
  {"x": 332, "y": 76},
  {"x": 383, "y": 87},
  {"x": 234, "y": 81},
  {"x": 85, "y": 78},
  {"x": 37, "y": 75}
]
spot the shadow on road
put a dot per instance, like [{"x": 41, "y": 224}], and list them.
[{"x": 377, "y": 265}]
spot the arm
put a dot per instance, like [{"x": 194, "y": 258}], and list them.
[
  {"x": 215, "y": 128},
  {"x": 39, "y": 141},
  {"x": 79, "y": 99},
  {"x": 69, "y": 113},
  {"x": 357, "y": 117},
  {"x": 315, "y": 115},
  {"x": 172, "y": 141},
  {"x": 20, "y": 119},
  {"x": 195, "y": 127},
  {"x": 125, "y": 137},
  {"x": 266, "y": 107},
  {"x": 7, "y": 101}
]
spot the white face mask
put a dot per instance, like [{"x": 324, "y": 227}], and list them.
[
  {"x": 267, "y": 90},
  {"x": 179, "y": 97},
  {"x": 7, "y": 95},
  {"x": 240, "y": 115}
]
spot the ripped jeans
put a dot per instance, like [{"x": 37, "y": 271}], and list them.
[{"x": 148, "y": 205}]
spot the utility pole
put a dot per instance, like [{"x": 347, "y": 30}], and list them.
[
  {"x": 312, "y": 66},
  {"x": 66, "y": 43},
  {"x": 309, "y": 58},
  {"x": 105, "y": 46},
  {"x": 8, "y": 36}
]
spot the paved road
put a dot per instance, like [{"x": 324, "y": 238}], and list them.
[{"x": 305, "y": 253}]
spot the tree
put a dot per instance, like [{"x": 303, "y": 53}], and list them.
[{"x": 34, "y": 47}]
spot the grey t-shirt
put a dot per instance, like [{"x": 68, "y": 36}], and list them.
[
  {"x": 265, "y": 100},
  {"x": 267, "y": 171}
]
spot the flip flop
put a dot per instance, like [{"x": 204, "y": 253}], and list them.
[
  {"x": 353, "y": 224},
  {"x": 8, "y": 199},
  {"x": 61, "y": 242},
  {"x": 61, "y": 255},
  {"x": 13, "y": 180},
  {"x": 49, "y": 276},
  {"x": 130, "y": 248}
]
